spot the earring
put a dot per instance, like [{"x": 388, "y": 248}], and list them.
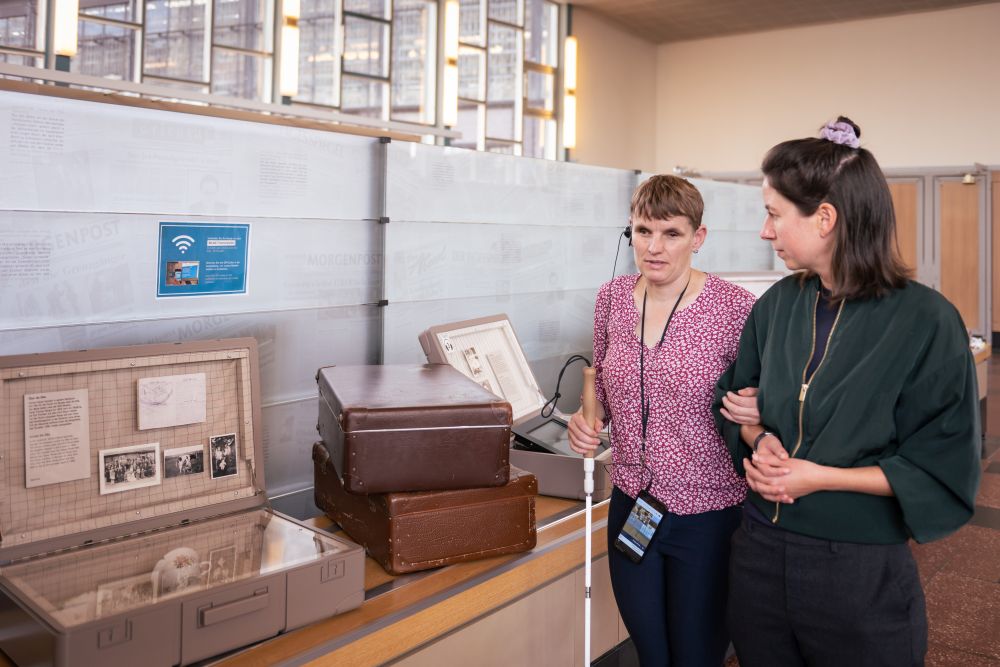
[{"x": 696, "y": 251}]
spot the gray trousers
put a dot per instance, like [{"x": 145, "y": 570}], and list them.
[{"x": 797, "y": 601}]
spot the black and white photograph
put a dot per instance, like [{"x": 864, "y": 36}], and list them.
[
  {"x": 223, "y": 455},
  {"x": 124, "y": 594},
  {"x": 183, "y": 461},
  {"x": 222, "y": 565},
  {"x": 127, "y": 468}
]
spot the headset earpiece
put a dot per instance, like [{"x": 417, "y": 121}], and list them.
[{"x": 627, "y": 233}]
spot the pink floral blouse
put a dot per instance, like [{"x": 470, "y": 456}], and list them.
[{"x": 691, "y": 468}]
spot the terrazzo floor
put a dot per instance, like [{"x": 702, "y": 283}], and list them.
[{"x": 961, "y": 573}]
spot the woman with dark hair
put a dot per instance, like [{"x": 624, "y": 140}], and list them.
[{"x": 869, "y": 422}]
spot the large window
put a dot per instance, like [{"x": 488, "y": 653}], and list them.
[
  {"x": 319, "y": 53},
  {"x": 169, "y": 42},
  {"x": 414, "y": 41},
  {"x": 508, "y": 55},
  {"x": 381, "y": 9},
  {"x": 21, "y": 32},
  {"x": 176, "y": 43},
  {"x": 242, "y": 48},
  {"x": 376, "y": 58},
  {"x": 541, "y": 58},
  {"x": 108, "y": 39},
  {"x": 505, "y": 72},
  {"x": 471, "y": 74},
  {"x": 367, "y": 32}
]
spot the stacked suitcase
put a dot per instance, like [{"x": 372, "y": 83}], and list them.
[{"x": 414, "y": 465}]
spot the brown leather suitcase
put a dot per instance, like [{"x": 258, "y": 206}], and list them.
[
  {"x": 407, "y": 532},
  {"x": 412, "y": 427}
]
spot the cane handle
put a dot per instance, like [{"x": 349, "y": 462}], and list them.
[{"x": 589, "y": 398}]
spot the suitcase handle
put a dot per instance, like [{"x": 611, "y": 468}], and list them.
[{"x": 225, "y": 612}]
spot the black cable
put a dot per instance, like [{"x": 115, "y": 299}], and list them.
[
  {"x": 614, "y": 267},
  {"x": 647, "y": 472},
  {"x": 551, "y": 404},
  {"x": 555, "y": 399}
]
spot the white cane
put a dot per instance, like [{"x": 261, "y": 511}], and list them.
[{"x": 590, "y": 416}]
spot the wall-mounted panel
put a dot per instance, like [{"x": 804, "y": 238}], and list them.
[
  {"x": 438, "y": 184},
  {"x": 289, "y": 434},
  {"x": 730, "y": 206},
  {"x": 435, "y": 260},
  {"x": 734, "y": 251},
  {"x": 73, "y": 268},
  {"x": 546, "y": 324},
  {"x": 292, "y": 345},
  {"x": 73, "y": 155},
  {"x": 734, "y": 214},
  {"x": 474, "y": 234}
]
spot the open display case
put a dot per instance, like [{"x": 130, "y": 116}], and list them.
[{"x": 134, "y": 526}]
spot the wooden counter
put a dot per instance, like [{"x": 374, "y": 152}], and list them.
[
  {"x": 983, "y": 355},
  {"x": 401, "y": 614}
]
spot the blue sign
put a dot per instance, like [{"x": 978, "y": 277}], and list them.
[{"x": 197, "y": 259}]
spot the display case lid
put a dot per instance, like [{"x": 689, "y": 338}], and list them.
[
  {"x": 97, "y": 444},
  {"x": 487, "y": 351}
]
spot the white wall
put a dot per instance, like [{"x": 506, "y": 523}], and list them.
[
  {"x": 616, "y": 95},
  {"x": 925, "y": 89}
]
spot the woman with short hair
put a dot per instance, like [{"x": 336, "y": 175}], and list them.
[{"x": 662, "y": 338}]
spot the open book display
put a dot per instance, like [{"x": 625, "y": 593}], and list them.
[{"x": 487, "y": 350}]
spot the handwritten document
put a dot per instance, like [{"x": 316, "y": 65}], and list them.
[
  {"x": 171, "y": 400},
  {"x": 56, "y": 437}
]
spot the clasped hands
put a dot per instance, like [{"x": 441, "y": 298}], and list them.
[{"x": 770, "y": 472}]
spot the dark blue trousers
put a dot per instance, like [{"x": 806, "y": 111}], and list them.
[{"x": 674, "y": 602}]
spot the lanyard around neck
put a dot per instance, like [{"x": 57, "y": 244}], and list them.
[{"x": 644, "y": 406}]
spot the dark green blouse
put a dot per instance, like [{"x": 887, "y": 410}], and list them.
[{"x": 897, "y": 389}]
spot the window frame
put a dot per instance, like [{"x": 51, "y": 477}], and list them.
[
  {"x": 40, "y": 40},
  {"x": 206, "y": 57},
  {"x": 430, "y": 105}
]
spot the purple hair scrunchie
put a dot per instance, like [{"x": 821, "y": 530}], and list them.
[{"x": 840, "y": 133}]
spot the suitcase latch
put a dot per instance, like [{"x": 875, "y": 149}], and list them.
[
  {"x": 114, "y": 635},
  {"x": 332, "y": 570}
]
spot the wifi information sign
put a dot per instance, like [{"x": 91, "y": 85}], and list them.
[{"x": 198, "y": 259}]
